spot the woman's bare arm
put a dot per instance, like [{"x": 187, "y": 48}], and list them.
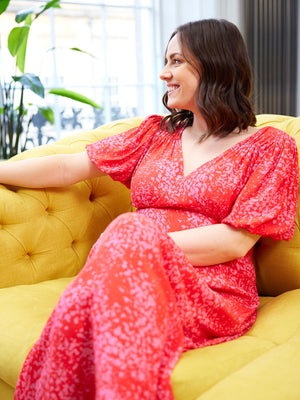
[
  {"x": 214, "y": 244},
  {"x": 49, "y": 171}
]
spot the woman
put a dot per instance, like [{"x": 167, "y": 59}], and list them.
[{"x": 177, "y": 274}]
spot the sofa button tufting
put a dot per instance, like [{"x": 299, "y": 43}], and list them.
[{"x": 92, "y": 197}]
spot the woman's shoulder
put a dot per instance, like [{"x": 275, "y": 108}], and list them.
[
  {"x": 271, "y": 133},
  {"x": 151, "y": 121},
  {"x": 270, "y": 136},
  {"x": 275, "y": 147}
]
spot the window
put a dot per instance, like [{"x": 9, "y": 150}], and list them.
[{"x": 116, "y": 68}]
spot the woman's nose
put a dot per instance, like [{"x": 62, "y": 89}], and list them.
[{"x": 165, "y": 73}]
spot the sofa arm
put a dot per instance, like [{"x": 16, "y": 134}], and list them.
[{"x": 277, "y": 263}]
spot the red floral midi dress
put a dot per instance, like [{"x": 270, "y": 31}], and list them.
[{"x": 120, "y": 327}]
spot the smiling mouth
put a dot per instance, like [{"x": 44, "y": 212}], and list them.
[{"x": 172, "y": 89}]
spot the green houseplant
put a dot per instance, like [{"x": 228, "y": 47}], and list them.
[{"x": 13, "y": 110}]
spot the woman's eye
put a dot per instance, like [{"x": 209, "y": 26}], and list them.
[{"x": 176, "y": 61}]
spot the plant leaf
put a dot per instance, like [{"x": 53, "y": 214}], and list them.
[
  {"x": 16, "y": 38},
  {"x": 23, "y": 14},
  {"x": 31, "y": 82},
  {"x": 47, "y": 113},
  {"x": 3, "y": 5},
  {"x": 49, "y": 4},
  {"x": 28, "y": 20},
  {"x": 82, "y": 51},
  {"x": 74, "y": 49},
  {"x": 21, "y": 54},
  {"x": 17, "y": 44},
  {"x": 38, "y": 10},
  {"x": 74, "y": 96}
]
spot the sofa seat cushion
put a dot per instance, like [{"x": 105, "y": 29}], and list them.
[
  {"x": 227, "y": 369},
  {"x": 251, "y": 366},
  {"x": 22, "y": 322}
]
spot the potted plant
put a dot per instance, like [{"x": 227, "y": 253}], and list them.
[{"x": 13, "y": 110}]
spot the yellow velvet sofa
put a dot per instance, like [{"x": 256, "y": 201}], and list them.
[{"x": 45, "y": 237}]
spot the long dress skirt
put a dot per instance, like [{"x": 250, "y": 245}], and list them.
[{"x": 116, "y": 332}]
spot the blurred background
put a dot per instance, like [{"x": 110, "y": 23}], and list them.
[{"x": 124, "y": 43}]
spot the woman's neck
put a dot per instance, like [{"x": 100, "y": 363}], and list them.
[{"x": 198, "y": 130}]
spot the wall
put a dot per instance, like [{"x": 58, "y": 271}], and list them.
[{"x": 173, "y": 13}]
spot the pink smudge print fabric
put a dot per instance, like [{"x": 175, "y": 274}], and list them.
[{"x": 120, "y": 327}]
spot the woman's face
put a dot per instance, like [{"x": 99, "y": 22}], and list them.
[{"x": 181, "y": 78}]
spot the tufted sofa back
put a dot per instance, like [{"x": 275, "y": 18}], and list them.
[{"x": 47, "y": 233}]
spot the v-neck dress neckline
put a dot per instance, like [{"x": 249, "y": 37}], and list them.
[{"x": 218, "y": 156}]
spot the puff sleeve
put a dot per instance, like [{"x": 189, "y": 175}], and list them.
[
  {"x": 119, "y": 155},
  {"x": 267, "y": 203}
]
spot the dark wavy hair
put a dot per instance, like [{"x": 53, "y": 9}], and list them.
[{"x": 216, "y": 49}]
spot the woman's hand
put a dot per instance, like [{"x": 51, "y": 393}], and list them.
[
  {"x": 214, "y": 244},
  {"x": 49, "y": 171}
]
